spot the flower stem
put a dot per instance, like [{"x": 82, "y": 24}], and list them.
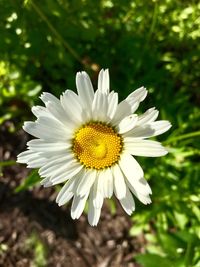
[
  {"x": 7, "y": 163},
  {"x": 183, "y": 136},
  {"x": 56, "y": 33}
]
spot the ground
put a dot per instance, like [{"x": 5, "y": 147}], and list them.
[{"x": 31, "y": 224}]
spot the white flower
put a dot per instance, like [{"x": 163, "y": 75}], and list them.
[{"x": 88, "y": 141}]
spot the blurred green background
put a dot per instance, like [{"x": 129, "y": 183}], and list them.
[{"x": 152, "y": 43}]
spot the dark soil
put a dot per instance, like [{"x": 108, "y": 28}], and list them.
[{"x": 66, "y": 242}]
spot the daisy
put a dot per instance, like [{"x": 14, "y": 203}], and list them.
[{"x": 88, "y": 142}]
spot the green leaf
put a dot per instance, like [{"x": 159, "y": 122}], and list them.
[
  {"x": 181, "y": 219},
  {"x": 153, "y": 260},
  {"x": 170, "y": 243},
  {"x": 35, "y": 244},
  {"x": 7, "y": 163},
  {"x": 29, "y": 182}
]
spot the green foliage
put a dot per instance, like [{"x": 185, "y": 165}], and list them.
[
  {"x": 149, "y": 260},
  {"x": 35, "y": 244},
  {"x": 152, "y": 43},
  {"x": 32, "y": 179}
]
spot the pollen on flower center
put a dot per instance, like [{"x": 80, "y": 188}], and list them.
[{"x": 97, "y": 145}]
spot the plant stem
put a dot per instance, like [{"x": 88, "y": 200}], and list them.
[
  {"x": 181, "y": 137},
  {"x": 56, "y": 33},
  {"x": 7, "y": 163},
  {"x": 189, "y": 253},
  {"x": 153, "y": 23}
]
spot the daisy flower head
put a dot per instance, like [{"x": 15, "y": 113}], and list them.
[{"x": 87, "y": 141}]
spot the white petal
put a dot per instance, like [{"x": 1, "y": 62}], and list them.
[
  {"x": 140, "y": 132},
  {"x": 36, "y": 162},
  {"x": 130, "y": 167},
  {"x": 97, "y": 191},
  {"x": 93, "y": 212},
  {"x": 100, "y": 106},
  {"x": 54, "y": 154},
  {"x": 104, "y": 81},
  {"x": 144, "y": 199},
  {"x": 44, "y": 132},
  {"x": 68, "y": 196},
  {"x": 68, "y": 190},
  {"x": 112, "y": 104},
  {"x": 106, "y": 178},
  {"x": 137, "y": 96},
  {"x": 69, "y": 173},
  {"x": 128, "y": 202},
  {"x": 160, "y": 127},
  {"x": 46, "y": 182},
  {"x": 25, "y": 156},
  {"x": 146, "y": 125},
  {"x": 32, "y": 159},
  {"x": 57, "y": 168},
  {"x": 50, "y": 170},
  {"x": 129, "y": 105},
  {"x": 60, "y": 172},
  {"x": 46, "y": 97},
  {"x": 149, "y": 116},
  {"x": 141, "y": 187},
  {"x": 149, "y": 130},
  {"x": 85, "y": 89},
  {"x": 62, "y": 116},
  {"x": 93, "y": 215},
  {"x": 134, "y": 174},
  {"x": 71, "y": 104},
  {"x": 68, "y": 187},
  {"x": 40, "y": 145},
  {"x": 123, "y": 110},
  {"x": 54, "y": 124},
  {"x": 144, "y": 196},
  {"x": 127, "y": 124},
  {"x": 39, "y": 111},
  {"x": 78, "y": 205},
  {"x": 52, "y": 162},
  {"x": 119, "y": 183},
  {"x": 146, "y": 148},
  {"x": 86, "y": 182}
]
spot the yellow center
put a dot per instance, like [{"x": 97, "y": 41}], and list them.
[{"x": 97, "y": 145}]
